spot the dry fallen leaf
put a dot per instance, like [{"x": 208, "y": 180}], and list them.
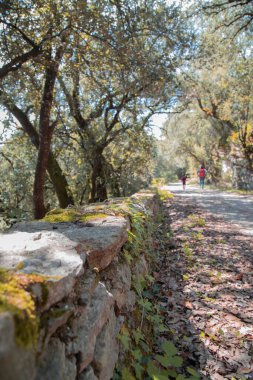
[
  {"x": 188, "y": 305},
  {"x": 238, "y": 277}
]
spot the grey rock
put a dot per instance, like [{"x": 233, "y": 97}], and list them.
[
  {"x": 85, "y": 328},
  {"x": 54, "y": 365},
  {"x": 15, "y": 362},
  {"x": 118, "y": 275},
  {"x": 107, "y": 350},
  {"x": 6, "y": 333},
  {"x": 87, "y": 374},
  {"x": 53, "y": 255},
  {"x": 147, "y": 202},
  {"x": 86, "y": 347},
  {"x": 86, "y": 286},
  {"x": 70, "y": 368},
  {"x": 103, "y": 241},
  {"x": 129, "y": 302},
  {"x": 52, "y": 320}
]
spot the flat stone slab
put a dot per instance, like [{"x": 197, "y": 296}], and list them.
[
  {"x": 47, "y": 253},
  {"x": 59, "y": 250},
  {"x": 102, "y": 239}
]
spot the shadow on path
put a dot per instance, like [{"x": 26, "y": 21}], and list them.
[
  {"x": 233, "y": 207},
  {"x": 207, "y": 284}
]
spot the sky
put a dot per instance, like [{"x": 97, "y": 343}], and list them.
[{"x": 157, "y": 122}]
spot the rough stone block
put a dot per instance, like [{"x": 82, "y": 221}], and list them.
[
  {"x": 118, "y": 278},
  {"x": 47, "y": 253},
  {"x": 54, "y": 365},
  {"x": 15, "y": 362},
  {"x": 85, "y": 328},
  {"x": 87, "y": 374},
  {"x": 107, "y": 350}
]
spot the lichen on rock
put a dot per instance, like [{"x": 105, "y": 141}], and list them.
[
  {"x": 15, "y": 298},
  {"x": 71, "y": 215}
]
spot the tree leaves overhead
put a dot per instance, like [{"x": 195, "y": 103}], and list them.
[
  {"x": 235, "y": 13},
  {"x": 87, "y": 76},
  {"x": 115, "y": 61}
]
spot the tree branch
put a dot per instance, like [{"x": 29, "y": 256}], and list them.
[{"x": 18, "y": 61}]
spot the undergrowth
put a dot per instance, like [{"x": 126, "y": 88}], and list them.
[{"x": 147, "y": 354}]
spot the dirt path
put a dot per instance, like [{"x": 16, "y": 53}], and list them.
[
  {"x": 206, "y": 287},
  {"x": 233, "y": 207}
]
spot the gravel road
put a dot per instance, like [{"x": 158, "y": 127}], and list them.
[{"x": 235, "y": 208}]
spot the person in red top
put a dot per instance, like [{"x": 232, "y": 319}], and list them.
[
  {"x": 183, "y": 179},
  {"x": 202, "y": 174}
]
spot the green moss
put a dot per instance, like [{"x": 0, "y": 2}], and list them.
[
  {"x": 88, "y": 217},
  {"x": 164, "y": 194},
  {"x": 62, "y": 215},
  {"x": 115, "y": 208},
  {"x": 44, "y": 295},
  {"x": 71, "y": 215},
  {"x": 56, "y": 211},
  {"x": 143, "y": 196},
  {"x": 15, "y": 298},
  {"x": 20, "y": 265},
  {"x": 53, "y": 314}
]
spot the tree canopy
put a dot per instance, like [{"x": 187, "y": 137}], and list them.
[{"x": 80, "y": 81}]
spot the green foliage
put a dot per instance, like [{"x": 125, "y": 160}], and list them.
[
  {"x": 16, "y": 170},
  {"x": 126, "y": 374},
  {"x": 197, "y": 235},
  {"x": 187, "y": 251},
  {"x": 195, "y": 221},
  {"x": 169, "y": 357},
  {"x": 127, "y": 256},
  {"x": 157, "y": 182},
  {"x": 145, "y": 354},
  {"x": 165, "y": 194},
  {"x": 140, "y": 233},
  {"x": 124, "y": 338},
  {"x": 104, "y": 97}
]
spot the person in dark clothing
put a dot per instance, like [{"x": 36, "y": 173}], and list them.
[{"x": 183, "y": 179}]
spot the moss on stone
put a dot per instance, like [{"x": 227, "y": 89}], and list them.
[
  {"x": 15, "y": 298},
  {"x": 44, "y": 293},
  {"x": 62, "y": 215},
  {"x": 87, "y": 217},
  {"x": 20, "y": 265},
  {"x": 53, "y": 313},
  {"x": 71, "y": 215}
]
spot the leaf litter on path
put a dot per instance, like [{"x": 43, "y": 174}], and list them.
[{"x": 206, "y": 278}]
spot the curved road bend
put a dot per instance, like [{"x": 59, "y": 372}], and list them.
[{"x": 232, "y": 207}]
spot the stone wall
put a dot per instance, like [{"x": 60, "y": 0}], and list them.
[
  {"x": 66, "y": 289},
  {"x": 242, "y": 177}
]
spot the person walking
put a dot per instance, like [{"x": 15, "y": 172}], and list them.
[
  {"x": 183, "y": 179},
  {"x": 202, "y": 174}
]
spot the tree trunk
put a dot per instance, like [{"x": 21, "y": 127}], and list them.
[
  {"x": 114, "y": 181},
  {"x": 60, "y": 183},
  {"x": 40, "y": 172},
  {"x": 116, "y": 190},
  {"x": 98, "y": 179},
  {"x": 46, "y": 133},
  {"x": 57, "y": 177}
]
